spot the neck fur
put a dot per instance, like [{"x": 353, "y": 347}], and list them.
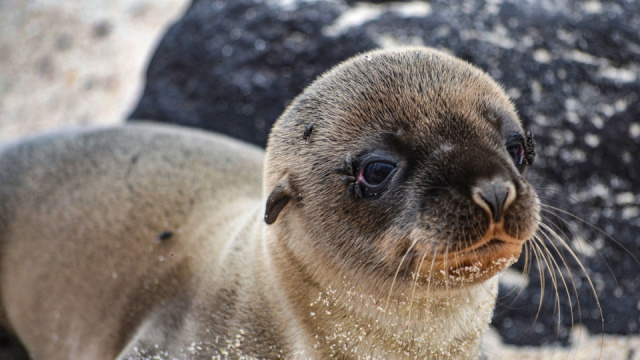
[{"x": 349, "y": 321}]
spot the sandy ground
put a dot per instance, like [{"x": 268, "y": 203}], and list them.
[{"x": 69, "y": 63}]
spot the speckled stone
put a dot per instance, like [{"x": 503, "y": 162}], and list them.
[
  {"x": 571, "y": 67},
  {"x": 232, "y": 66}
]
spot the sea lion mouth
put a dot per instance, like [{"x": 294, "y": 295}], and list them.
[
  {"x": 493, "y": 243},
  {"x": 492, "y": 248},
  {"x": 475, "y": 262},
  {"x": 484, "y": 247}
]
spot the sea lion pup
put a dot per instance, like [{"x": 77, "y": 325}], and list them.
[{"x": 393, "y": 194}]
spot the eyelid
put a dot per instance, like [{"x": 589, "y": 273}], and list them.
[
  {"x": 514, "y": 137},
  {"x": 375, "y": 156}
]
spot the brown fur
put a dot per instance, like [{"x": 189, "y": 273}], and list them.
[{"x": 142, "y": 241}]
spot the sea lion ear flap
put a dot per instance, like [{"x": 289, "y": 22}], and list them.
[{"x": 279, "y": 197}]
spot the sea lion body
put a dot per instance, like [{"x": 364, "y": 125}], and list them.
[
  {"x": 113, "y": 236},
  {"x": 391, "y": 197}
]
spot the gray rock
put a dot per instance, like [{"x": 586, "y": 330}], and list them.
[{"x": 572, "y": 68}]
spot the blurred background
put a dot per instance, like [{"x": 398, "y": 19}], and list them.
[
  {"x": 75, "y": 62},
  {"x": 571, "y": 67}
]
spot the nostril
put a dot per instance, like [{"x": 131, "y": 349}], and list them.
[
  {"x": 494, "y": 196},
  {"x": 495, "y": 200}
]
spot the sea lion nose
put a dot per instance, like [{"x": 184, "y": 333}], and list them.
[{"x": 494, "y": 196}]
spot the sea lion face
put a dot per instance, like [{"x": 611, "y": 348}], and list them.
[{"x": 401, "y": 165}]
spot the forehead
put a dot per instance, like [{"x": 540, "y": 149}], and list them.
[{"x": 415, "y": 95}]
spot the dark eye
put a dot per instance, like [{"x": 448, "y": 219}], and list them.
[
  {"x": 376, "y": 173},
  {"x": 517, "y": 153},
  {"x": 515, "y": 147}
]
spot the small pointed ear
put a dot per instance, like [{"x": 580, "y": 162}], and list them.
[{"x": 279, "y": 197}]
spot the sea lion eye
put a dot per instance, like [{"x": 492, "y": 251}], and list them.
[
  {"x": 516, "y": 148},
  {"x": 371, "y": 176},
  {"x": 376, "y": 173},
  {"x": 517, "y": 153}
]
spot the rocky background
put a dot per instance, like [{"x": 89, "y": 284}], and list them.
[{"x": 571, "y": 67}]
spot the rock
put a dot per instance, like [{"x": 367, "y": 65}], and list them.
[
  {"x": 570, "y": 67},
  {"x": 232, "y": 66}
]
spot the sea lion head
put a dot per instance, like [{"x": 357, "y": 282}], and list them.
[{"x": 401, "y": 164}]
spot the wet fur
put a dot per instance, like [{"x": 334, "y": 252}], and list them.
[{"x": 285, "y": 265}]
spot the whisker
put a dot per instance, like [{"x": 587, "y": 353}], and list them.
[
  {"x": 416, "y": 276},
  {"x": 573, "y": 283},
  {"x": 574, "y": 230},
  {"x": 594, "y": 227},
  {"x": 556, "y": 268},
  {"x": 548, "y": 258},
  {"x": 525, "y": 271},
  {"x": 538, "y": 253},
  {"x": 396, "y": 275},
  {"x": 593, "y": 288}
]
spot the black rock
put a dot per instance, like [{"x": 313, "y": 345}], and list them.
[
  {"x": 232, "y": 66},
  {"x": 571, "y": 68}
]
